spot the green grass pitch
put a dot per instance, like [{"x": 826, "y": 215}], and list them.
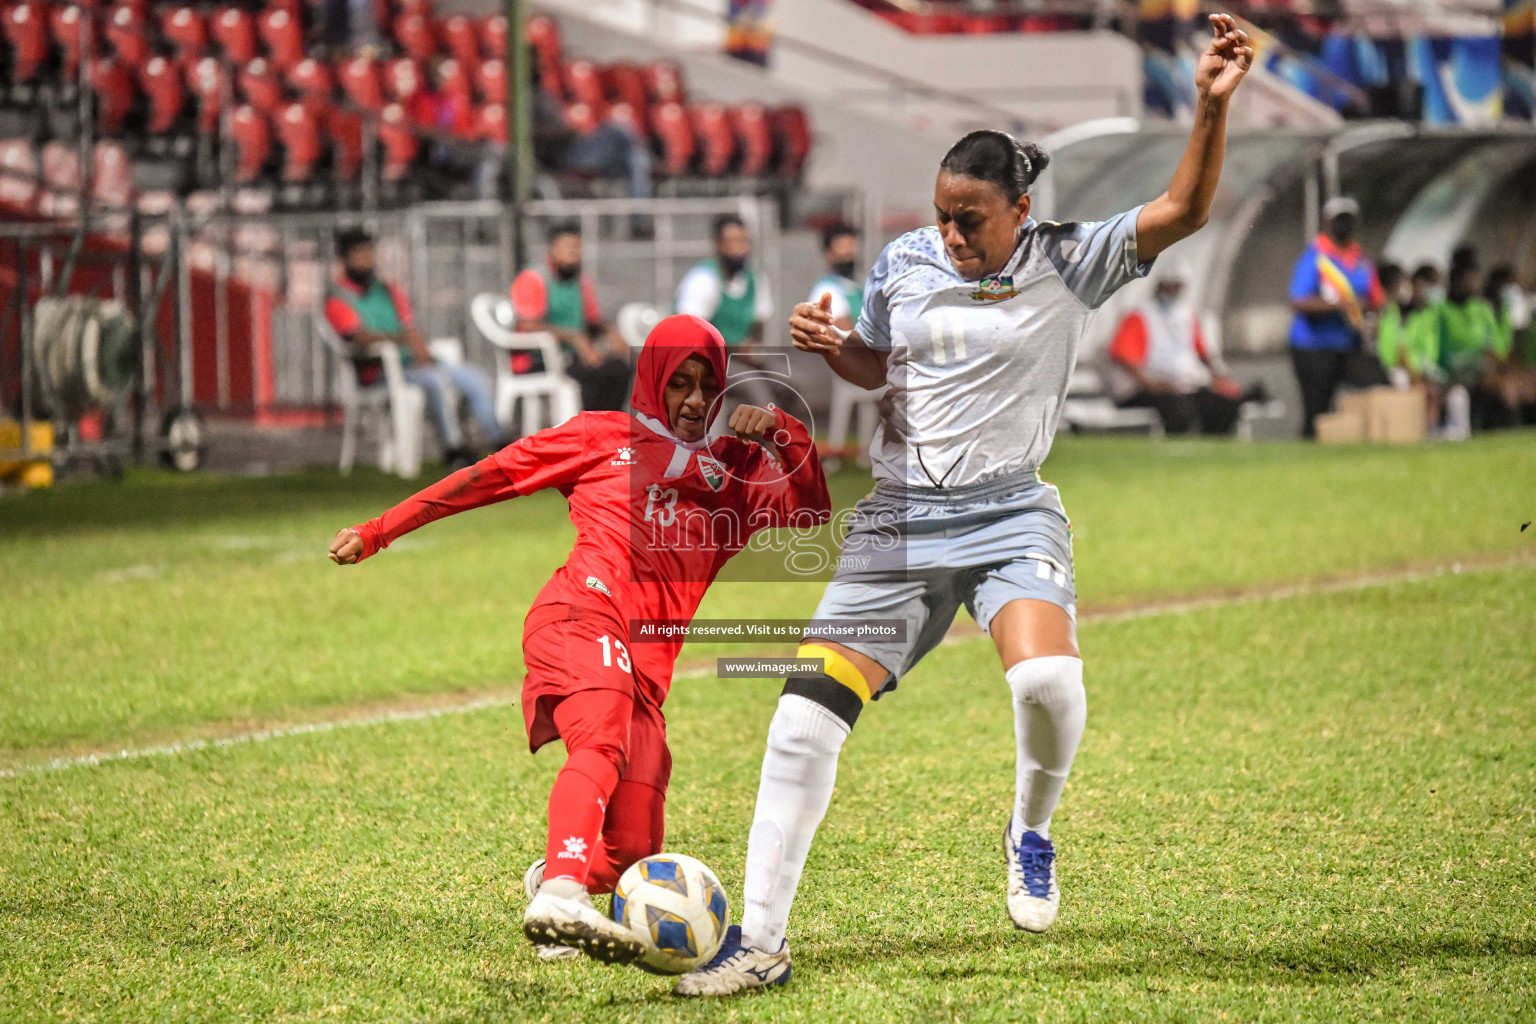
[{"x": 1320, "y": 806}]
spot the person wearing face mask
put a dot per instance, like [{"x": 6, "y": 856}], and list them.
[
  {"x": 1511, "y": 376},
  {"x": 658, "y": 509},
  {"x": 554, "y": 295},
  {"x": 364, "y": 309},
  {"x": 840, "y": 248},
  {"x": 1332, "y": 288},
  {"x": 1158, "y": 360},
  {"x": 726, "y": 291}
]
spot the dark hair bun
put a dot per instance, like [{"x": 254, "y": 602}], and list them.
[{"x": 990, "y": 155}]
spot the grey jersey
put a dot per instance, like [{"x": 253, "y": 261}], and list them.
[{"x": 979, "y": 369}]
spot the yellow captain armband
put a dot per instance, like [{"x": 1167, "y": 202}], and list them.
[{"x": 837, "y": 667}]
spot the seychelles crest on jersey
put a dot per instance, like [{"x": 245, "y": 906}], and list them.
[
  {"x": 714, "y": 472},
  {"x": 994, "y": 289}
]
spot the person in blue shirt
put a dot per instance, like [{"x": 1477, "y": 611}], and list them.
[{"x": 1332, "y": 287}]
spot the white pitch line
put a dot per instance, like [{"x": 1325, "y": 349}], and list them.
[
  {"x": 261, "y": 736},
  {"x": 390, "y": 717}
]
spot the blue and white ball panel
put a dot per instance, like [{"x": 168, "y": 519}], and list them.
[{"x": 677, "y": 907}]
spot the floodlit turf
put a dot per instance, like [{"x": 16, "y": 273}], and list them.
[
  {"x": 142, "y": 610},
  {"x": 1317, "y": 808}
]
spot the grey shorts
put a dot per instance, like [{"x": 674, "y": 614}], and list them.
[{"x": 918, "y": 554}]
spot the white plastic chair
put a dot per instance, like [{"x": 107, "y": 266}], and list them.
[
  {"x": 493, "y": 318},
  {"x": 395, "y": 409},
  {"x": 635, "y": 321},
  {"x": 846, "y": 399}
]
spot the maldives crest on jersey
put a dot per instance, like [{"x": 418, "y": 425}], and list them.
[
  {"x": 714, "y": 472},
  {"x": 994, "y": 289}
]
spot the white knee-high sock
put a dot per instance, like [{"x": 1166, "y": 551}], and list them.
[
  {"x": 1050, "y": 707},
  {"x": 799, "y": 769}
]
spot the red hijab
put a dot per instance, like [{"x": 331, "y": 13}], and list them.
[{"x": 670, "y": 343}]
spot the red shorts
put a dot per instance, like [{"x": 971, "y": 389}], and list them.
[{"x": 572, "y": 655}]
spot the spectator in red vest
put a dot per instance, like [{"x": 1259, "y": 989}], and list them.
[{"x": 1159, "y": 360}]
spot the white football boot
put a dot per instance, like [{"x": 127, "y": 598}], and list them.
[
  {"x": 562, "y": 915},
  {"x": 532, "y": 879},
  {"x": 736, "y": 968},
  {"x": 1033, "y": 898}
]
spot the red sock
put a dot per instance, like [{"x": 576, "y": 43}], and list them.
[
  {"x": 593, "y": 724},
  {"x": 632, "y": 829},
  {"x": 576, "y": 814}
]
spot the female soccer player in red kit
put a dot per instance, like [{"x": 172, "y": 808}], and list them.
[{"x": 658, "y": 509}]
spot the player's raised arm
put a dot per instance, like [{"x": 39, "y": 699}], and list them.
[
  {"x": 1183, "y": 209},
  {"x": 550, "y": 458},
  {"x": 794, "y": 490}
]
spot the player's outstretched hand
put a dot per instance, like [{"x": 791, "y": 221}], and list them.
[
  {"x": 1225, "y": 62},
  {"x": 750, "y": 421},
  {"x": 347, "y": 548},
  {"x": 811, "y": 327}
]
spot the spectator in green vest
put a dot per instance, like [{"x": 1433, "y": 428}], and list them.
[
  {"x": 1512, "y": 375},
  {"x": 554, "y": 295},
  {"x": 840, "y": 248},
  {"x": 364, "y": 310},
  {"x": 727, "y": 292}
]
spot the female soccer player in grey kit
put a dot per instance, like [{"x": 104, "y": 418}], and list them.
[{"x": 975, "y": 324}]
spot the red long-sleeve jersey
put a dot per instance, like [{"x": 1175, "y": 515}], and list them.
[{"x": 655, "y": 519}]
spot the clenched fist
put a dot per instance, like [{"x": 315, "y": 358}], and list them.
[{"x": 347, "y": 548}]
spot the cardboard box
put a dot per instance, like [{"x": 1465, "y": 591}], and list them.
[
  {"x": 1356, "y": 403},
  {"x": 1340, "y": 428},
  {"x": 1397, "y": 417}
]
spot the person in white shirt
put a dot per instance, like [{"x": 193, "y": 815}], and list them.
[
  {"x": 975, "y": 324},
  {"x": 727, "y": 292},
  {"x": 1159, "y": 360}
]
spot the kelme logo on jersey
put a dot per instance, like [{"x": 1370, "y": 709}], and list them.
[
  {"x": 623, "y": 457},
  {"x": 714, "y": 472},
  {"x": 994, "y": 289}
]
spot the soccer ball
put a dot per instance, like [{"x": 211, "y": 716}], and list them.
[{"x": 676, "y": 906}]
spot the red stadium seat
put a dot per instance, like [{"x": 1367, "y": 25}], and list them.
[
  {"x": 462, "y": 39},
  {"x": 664, "y": 81},
  {"x": 584, "y": 84},
  {"x": 675, "y": 134},
  {"x": 360, "y": 81},
  {"x": 161, "y": 81},
  {"x": 493, "y": 36},
  {"x": 61, "y": 179},
  {"x": 454, "y": 78},
  {"x": 543, "y": 34},
  {"x": 113, "y": 84},
  {"x": 185, "y": 29},
  {"x": 300, "y": 135},
  {"x": 253, "y": 142},
  {"x": 626, "y": 115},
  {"x": 402, "y": 79},
  {"x": 65, "y": 23},
  {"x": 313, "y": 81},
  {"x": 626, "y": 84},
  {"x": 205, "y": 80},
  {"x": 284, "y": 36},
  {"x": 235, "y": 33},
  {"x": 260, "y": 86},
  {"x": 493, "y": 122},
  {"x": 128, "y": 35},
  {"x": 26, "y": 29},
  {"x": 18, "y": 183},
  {"x": 491, "y": 81},
  {"x": 582, "y": 117},
  {"x": 754, "y": 139},
  {"x": 112, "y": 175},
  {"x": 717, "y": 140},
  {"x": 399, "y": 141},
  {"x": 792, "y": 132},
  {"x": 416, "y": 36},
  {"x": 346, "y": 133}
]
